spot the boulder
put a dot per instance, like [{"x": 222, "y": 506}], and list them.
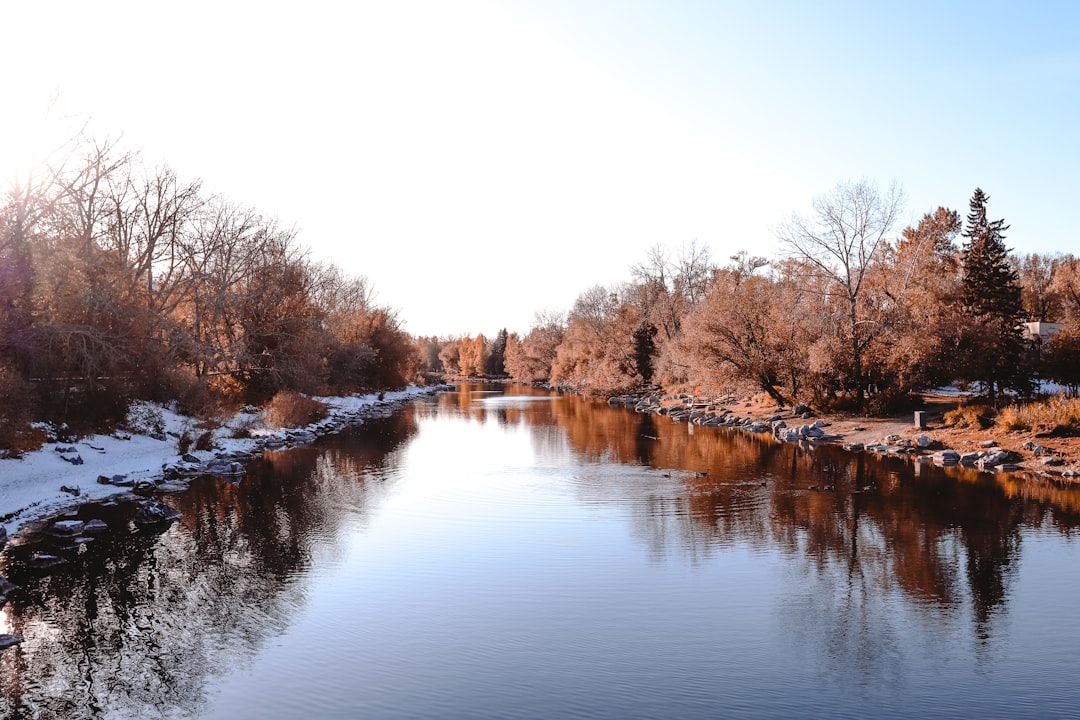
[
  {"x": 923, "y": 441},
  {"x": 152, "y": 512},
  {"x": 947, "y": 457},
  {"x": 67, "y": 528},
  {"x": 993, "y": 459},
  {"x": 7, "y": 587},
  {"x": 44, "y": 561},
  {"x": 95, "y": 527},
  {"x": 7, "y": 641}
]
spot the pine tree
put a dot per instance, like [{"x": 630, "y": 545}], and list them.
[{"x": 991, "y": 298}]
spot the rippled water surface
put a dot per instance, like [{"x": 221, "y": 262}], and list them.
[{"x": 494, "y": 554}]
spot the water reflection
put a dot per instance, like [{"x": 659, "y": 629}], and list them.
[
  {"x": 882, "y": 577},
  {"x": 944, "y": 538},
  {"x": 135, "y": 623}
]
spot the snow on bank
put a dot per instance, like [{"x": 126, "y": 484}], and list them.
[{"x": 31, "y": 486}]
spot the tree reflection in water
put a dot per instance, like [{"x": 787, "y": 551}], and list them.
[
  {"x": 941, "y": 537},
  {"x": 136, "y": 624}
]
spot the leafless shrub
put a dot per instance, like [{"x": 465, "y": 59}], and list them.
[{"x": 291, "y": 409}]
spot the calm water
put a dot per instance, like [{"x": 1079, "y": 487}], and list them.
[{"x": 522, "y": 555}]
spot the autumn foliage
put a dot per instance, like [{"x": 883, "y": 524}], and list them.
[
  {"x": 856, "y": 313},
  {"x": 121, "y": 281}
]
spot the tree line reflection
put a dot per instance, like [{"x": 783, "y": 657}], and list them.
[
  {"x": 945, "y": 538},
  {"x": 135, "y": 624}
]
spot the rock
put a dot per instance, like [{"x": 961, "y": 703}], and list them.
[
  {"x": 95, "y": 527},
  {"x": 854, "y": 447},
  {"x": 73, "y": 459},
  {"x": 122, "y": 481},
  {"x": 3, "y": 535},
  {"x": 7, "y": 641},
  {"x": 44, "y": 561},
  {"x": 970, "y": 458},
  {"x": 947, "y": 457},
  {"x": 171, "y": 486},
  {"x": 67, "y": 528},
  {"x": 152, "y": 512},
  {"x": 71, "y": 489},
  {"x": 923, "y": 441},
  {"x": 7, "y": 587},
  {"x": 159, "y": 436},
  {"x": 104, "y": 480},
  {"x": 189, "y": 458},
  {"x": 993, "y": 459},
  {"x": 988, "y": 443},
  {"x": 800, "y": 409}
]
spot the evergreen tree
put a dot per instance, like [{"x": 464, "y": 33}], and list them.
[
  {"x": 644, "y": 349},
  {"x": 991, "y": 299},
  {"x": 496, "y": 365}
]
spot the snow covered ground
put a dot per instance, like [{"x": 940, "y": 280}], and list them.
[{"x": 47, "y": 480}]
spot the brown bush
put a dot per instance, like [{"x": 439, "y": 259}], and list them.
[
  {"x": 1057, "y": 414},
  {"x": 291, "y": 409},
  {"x": 971, "y": 416},
  {"x": 205, "y": 441},
  {"x": 16, "y": 412}
]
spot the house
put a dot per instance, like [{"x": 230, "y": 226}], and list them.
[{"x": 1040, "y": 332}]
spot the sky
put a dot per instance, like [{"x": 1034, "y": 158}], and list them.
[{"x": 480, "y": 162}]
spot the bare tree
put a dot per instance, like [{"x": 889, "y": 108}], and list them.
[
  {"x": 669, "y": 289},
  {"x": 840, "y": 243}
]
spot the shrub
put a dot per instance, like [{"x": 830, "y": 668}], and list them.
[
  {"x": 205, "y": 441},
  {"x": 144, "y": 418},
  {"x": 291, "y": 409},
  {"x": 16, "y": 412},
  {"x": 971, "y": 416},
  {"x": 1054, "y": 415}
]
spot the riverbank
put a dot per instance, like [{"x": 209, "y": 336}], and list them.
[
  {"x": 148, "y": 456},
  {"x": 991, "y": 449}
]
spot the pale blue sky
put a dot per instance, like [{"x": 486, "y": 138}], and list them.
[{"x": 480, "y": 161}]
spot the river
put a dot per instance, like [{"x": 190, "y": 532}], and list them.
[{"x": 510, "y": 553}]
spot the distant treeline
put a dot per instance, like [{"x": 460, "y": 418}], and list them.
[
  {"x": 857, "y": 313},
  {"x": 122, "y": 281}
]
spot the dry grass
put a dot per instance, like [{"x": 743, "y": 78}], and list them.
[
  {"x": 1056, "y": 414},
  {"x": 290, "y": 409},
  {"x": 971, "y": 416}
]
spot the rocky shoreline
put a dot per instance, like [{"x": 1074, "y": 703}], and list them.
[
  {"x": 897, "y": 437},
  {"x": 48, "y": 539},
  {"x": 229, "y": 459}
]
